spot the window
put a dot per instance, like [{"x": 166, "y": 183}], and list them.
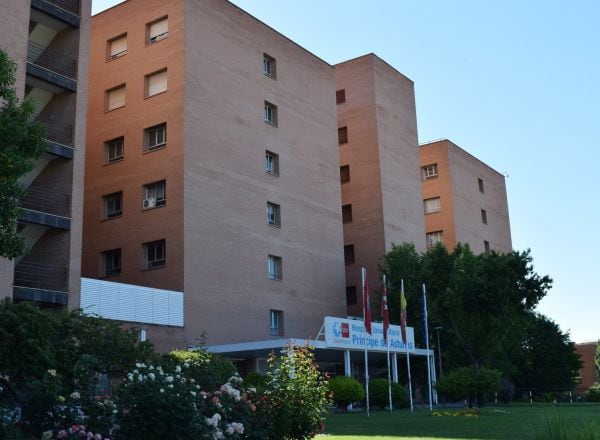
[
  {"x": 154, "y": 254},
  {"x": 429, "y": 171},
  {"x": 351, "y": 295},
  {"x": 115, "y": 98},
  {"x": 116, "y": 47},
  {"x": 276, "y": 322},
  {"x": 349, "y": 254},
  {"x": 274, "y": 267},
  {"x": 345, "y": 174},
  {"x": 156, "y": 83},
  {"x": 155, "y": 137},
  {"x": 343, "y": 135},
  {"x": 113, "y": 204},
  {"x": 269, "y": 66},
  {"x": 273, "y": 214},
  {"x": 271, "y": 163},
  {"x": 480, "y": 182},
  {"x": 111, "y": 262},
  {"x": 340, "y": 96},
  {"x": 484, "y": 216},
  {"x": 270, "y": 113},
  {"x": 432, "y": 205},
  {"x": 432, "y": 238},
  {"x": 114, "y": 149},
  {"x": 486, "y": 245},
  {"x": 157, "y": 30},
  {"x": 155, "y": 194},
  {"x": 347, "y": 213}
]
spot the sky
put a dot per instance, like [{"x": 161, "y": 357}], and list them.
[{"x": 515, "y": 83}]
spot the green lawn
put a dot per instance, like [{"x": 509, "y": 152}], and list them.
[{"x": 517, "y": 422}]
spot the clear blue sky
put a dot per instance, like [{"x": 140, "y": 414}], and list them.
[{"x": 517, "y": 84}]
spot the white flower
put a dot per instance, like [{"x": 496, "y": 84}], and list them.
[
  {"x": 151, "y": 376},
  {"x": 186, "y": 365},
  {"x": 177, "y": 369},
  {"x": 162, "y": 390},
  {"x": 252, "y": 390},
  {"x": 170, "y": 386},
  {"x": 169, "y": 379},
  {"x": 130, "y": 376},
  {"x": 141, "y": 378},
  {"x": 235, "y": 427},
  {"x": 193, "y": 393},
  {"x": 214, "y": 420},
  {"x": 135, "y": 372},
  {"x": 74, "y": 395},
  {"x": 151, "y": 367}
]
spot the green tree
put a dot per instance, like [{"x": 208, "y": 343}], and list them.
[
  {"x": 547, "y": 349},
  {"x": 22, "y": 144}
]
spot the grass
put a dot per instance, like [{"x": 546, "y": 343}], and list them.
[{"x": 515, "y": 422}]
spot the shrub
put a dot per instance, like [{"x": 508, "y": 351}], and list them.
[
  {"x": 593, "y": 393},
  {"x": 210, "y": 371},
  {"x": 379, "y": 394},
  {"x": 554, "y": 428},
  {"x": 256, "y": 380},
  {"x": 466, "y": 383},
  {"x": 296, "y": 396},
  {"x": 346, "y": 390}
]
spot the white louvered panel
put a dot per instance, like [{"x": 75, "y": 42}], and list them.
[
  {"x": 143, "y": 305},
  {"x": 109, "y": 301},
  {"x": 127, "y": 302},
  {"x": 90, "y": 296},
  {"x": 176, "y": 309},
  {"x": 161, "y": 307}
]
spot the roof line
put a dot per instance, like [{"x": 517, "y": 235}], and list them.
[{"x": 373, "y": 54}]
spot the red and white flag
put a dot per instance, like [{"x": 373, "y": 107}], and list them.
[
  {"x": 384, "y": 310},
  {"x": 366, "y": 301}
]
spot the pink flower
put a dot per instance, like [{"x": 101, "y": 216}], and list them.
[{"x": 62, "y": 434}]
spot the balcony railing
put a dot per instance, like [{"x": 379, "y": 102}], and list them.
[
  {"x": 41, "y": 276},
  {"x": 38, "y": 198},
  {"x": 52, "y": 60},
  {"x": 57, "y": 131},
  {"x": 68, "y": 5}
]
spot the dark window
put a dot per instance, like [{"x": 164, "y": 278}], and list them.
[
  {"x": 349, "y": 254},
  {"x": 274, "y": 267},
  {"x": 155, "y": 137},
  {"x": 155, "y": 194},
  {"x": 486, "y": 245},
  {"x": 111, "y": 262},
  {"x": 114, "y": 149},
  {"x": 340, "y": 96},
  {"x": 347, "y": 213},
  {"x": 345, "y": 174},
  {"x": 351, "y": 295},
  {"x": 271, "y": 163},
  {"x": 275, "y": 322},
  {"x": 343, "y": 135},
  {"x": 480, "y": 182},
  {"x": 113, "y": 204},
  {"x": 270, "y": 114},
  {"x": 273, "y": 214},
  {"x": 484, "y": 216},
  {"x": 154, "y": 254}
]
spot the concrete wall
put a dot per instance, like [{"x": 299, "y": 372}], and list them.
[
  {"x": 136, "y": 226},
  {"x": 227, "y": 240},
  {"x": 468, "y": 202}
]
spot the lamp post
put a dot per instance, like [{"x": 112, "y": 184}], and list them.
[{"x": 437, "y": 330}]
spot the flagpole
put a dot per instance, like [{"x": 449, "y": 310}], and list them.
[
  {"x": 410, "y": 394},
  {"x": 387, "y": 343},
  {"x": 427, "y": 348},
  {"x": 365, "y": 298}
]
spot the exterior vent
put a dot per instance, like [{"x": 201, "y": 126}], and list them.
[{"x": 149, "y": 203}]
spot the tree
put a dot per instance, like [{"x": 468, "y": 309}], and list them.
[
  {"x": 22, "y": 144},
  {"x": 547, "y": 349},
  {"x": 483, "y": 301}
]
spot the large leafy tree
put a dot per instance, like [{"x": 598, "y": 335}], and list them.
[{"x": 22, "y": 144}]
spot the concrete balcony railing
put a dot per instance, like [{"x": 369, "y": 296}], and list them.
[
  {"x": 41, "y": 276},
  {"x": 52, "y": 60},
  {"x": 71, "y": 6},
  {"x": 41, "y": 199},
  {"x": 57, "y": 131}
]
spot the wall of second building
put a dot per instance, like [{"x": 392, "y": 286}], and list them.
[
  {"x": 438, "y": 186},
  {"x": 366, "y": 233},
  {"x": 588, "y": 373},
  {"x": 136, "y": 225},
  {"x": 228, "y": 294},
  {"x": 469, "y": 199}
]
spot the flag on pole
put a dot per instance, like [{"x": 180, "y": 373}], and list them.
[
  {"x": 403, "y": 313},
  {"x": 366, "y": 302},
  {"x": 384, "y": 310}
]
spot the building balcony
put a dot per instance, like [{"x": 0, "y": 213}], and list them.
[
  {"x": 42, "y": 206},
  {"x": 59, "y": 136},
  {"x": 67, "y": 11},
  {"x": 40, "y": 283},
  {"x": 52, "y": 66}
]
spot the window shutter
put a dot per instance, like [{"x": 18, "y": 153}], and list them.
[
  {"x": 116, "y": 98},
  {"x": 118, "y": 46},
  {"x": 159, "y": 28},
  {"x": 157, "y": 83}
]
